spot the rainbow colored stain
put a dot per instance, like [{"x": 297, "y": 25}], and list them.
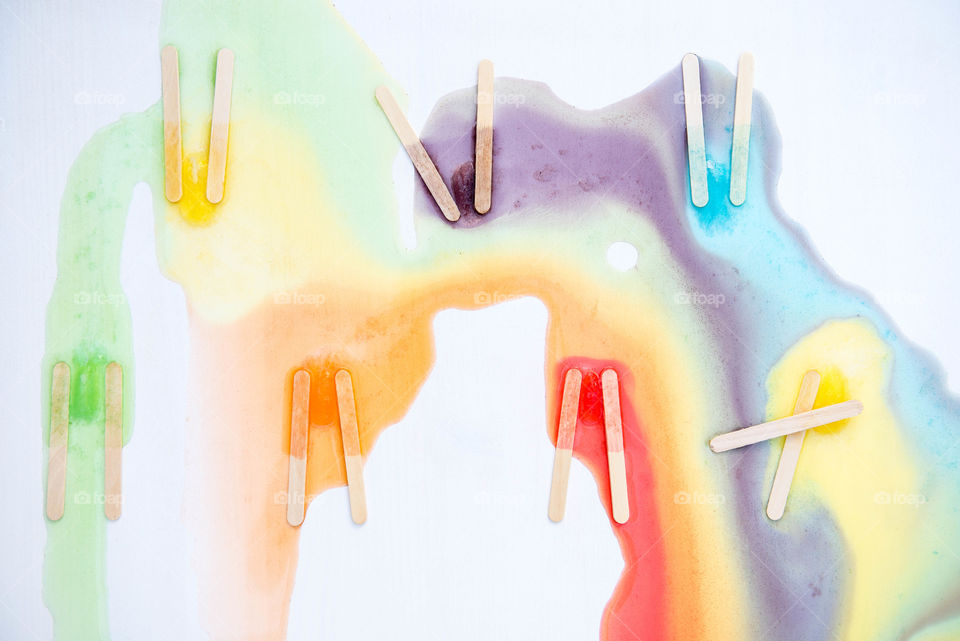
[{"x": 712, "y": 329}]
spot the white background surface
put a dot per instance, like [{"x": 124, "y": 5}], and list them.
[{"x": 458, "y": 544}]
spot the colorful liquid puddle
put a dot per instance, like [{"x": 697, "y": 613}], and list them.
[{"x": 300, "y": 267}]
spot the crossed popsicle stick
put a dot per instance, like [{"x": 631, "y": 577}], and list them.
[{"x": 794, "y": 427}]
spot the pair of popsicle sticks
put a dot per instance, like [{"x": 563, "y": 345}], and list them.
[
  {"x": 696, "y": 144},
  {"x": 350, "y": 434},
  {"x": 613, "y": 425},
  {"x": 59, "y": 440},
  {"x": 483, "y": 151},
  {"x": 794, "y": 427},
  {"x": 219, "y": 125}
]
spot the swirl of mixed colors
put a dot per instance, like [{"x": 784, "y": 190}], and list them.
[{"x": 713, "y": 327}]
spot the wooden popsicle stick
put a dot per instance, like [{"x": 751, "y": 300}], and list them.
[
  {"x": 742, "y": 111},
  {"x": 113, "y": 442},
  {"x": 299, "y": 433},
  {"x": 791, "y": 448},
  {"x": 172, "y": 140},
  {"x": 614, "y": 432},
  {"x": 418, "y": 155},
  {"x": 696, "y": 146},
  {"x": 220, "y": 126},
  {"x": 59, "y": 428},
  {"x": 350, "y": 431},
  {"x": 565, "y": 433},
  {"x": 483, "y": 170},
  {"x": 783, "y": 426}
]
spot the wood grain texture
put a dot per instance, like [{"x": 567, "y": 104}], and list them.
[
  {"x": 742, "y": 113},
  {"x": 783, "y": 426},
  {"x": 350, "y": 432},
  {"x": 696, "y": 145},
  {"x": 613, "y": 424},
  {"x": 59, "y": 428},
  {"x": 566, "y": 431},
  {"x": 220, "y": 126},
  {"x": 483, "y": 158},
  {"x": 790, "y": 455},
  {"x": 172, "y": 137},
  {"x": 299, "y": 433}
]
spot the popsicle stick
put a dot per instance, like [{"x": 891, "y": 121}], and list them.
[
  {"x": 220, "y": 126},
  {"x": 347, "y": 406},
  {"x": 696, "y": 146},
  {"x": 742, "y": 111},
  {"x": 59, "y": 427},
  {"x": 172, "y": 141},
  {"x": 483, "y": 164},
  {"x": 614, "y": 433},
  {"x": 418, "y": 155},
  {"x": 791, "y": 448},
  {"x": 565, "y": 433},
  {"x": 299, "y": 429},
  {"x": 784, "y": 426},
  {"x": 113, "y": 442}
]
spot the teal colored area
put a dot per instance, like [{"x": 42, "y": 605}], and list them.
[
  {"x": 718, "y": 215},
  {"x": 796, "y": 292}
]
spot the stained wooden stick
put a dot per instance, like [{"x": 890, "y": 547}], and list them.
[
  {"x": 483, "y": 164},
  {"x": 784, "y": 426},
  {"x": 696, "y": 146},
  {"x": 220, "y": 126},
  {"x": 299, "y": 433},
  {"x": 614, "y": 432},
  {"x": 113, "y": 442},
  {"x": 59, "y": 427},
  {"x": 418, "y": 155},
  {"x": 742, "y": 111},
  {"x": 791, "y": 448},
  {"x": 349, "y": 430},
  {"x": 565, "y": 434},
  {"x": 172, "y": 140}
]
